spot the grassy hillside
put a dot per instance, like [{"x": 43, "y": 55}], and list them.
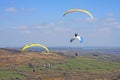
[{"x": 34, "y": 65}]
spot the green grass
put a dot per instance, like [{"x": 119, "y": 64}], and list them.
[
  {"x": 23, "y": 68},
  {"x": 68, "y": 64},
  {"x": 87, "y": 64},
  {"x": 10, "y": 74}
]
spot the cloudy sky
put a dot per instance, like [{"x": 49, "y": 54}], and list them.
[{"x": 41, "y": 21}]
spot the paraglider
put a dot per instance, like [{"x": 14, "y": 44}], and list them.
[
  {"x": 76, "y": 36},
  {"x": 32, "y": 45},
  {"x": 79, "y": 10}
]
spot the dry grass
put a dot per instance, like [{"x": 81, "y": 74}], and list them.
[{"x": 7, "y": 57}]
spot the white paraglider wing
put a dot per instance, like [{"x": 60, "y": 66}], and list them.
[{"x": 76, "y": 37}]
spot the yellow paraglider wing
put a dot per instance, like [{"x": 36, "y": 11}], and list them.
[
  {"x": 32, "y": 45},
  {"x": 79, "y": 10}
]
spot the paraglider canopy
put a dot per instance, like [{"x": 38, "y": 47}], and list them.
[
  {"x": 32, "y": 45},
  {"x": 78, "y": 10}
]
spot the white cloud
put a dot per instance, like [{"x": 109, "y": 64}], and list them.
[
  {"x": 111, "y": 23},
  {"x": 104, "y": 30},
  {"x": 88, "y": 20},
  {"x": 14, "y": 9},
  {"x": 27, "y": 9},
  {"x": 44, "y": 26},
  {"x": 23, "y": 29},
  {"x": 110, "y": 14},
  {"x": 11, "y": 9},
  {"x": 61, "y": 29},
  {"x": 26, "y": 31},
  {"x": 51, "y": 28},
  {"x": 118, "y": 26},
  {"x": 49, "y": 25}
]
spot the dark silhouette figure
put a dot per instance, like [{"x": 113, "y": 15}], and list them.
[
  {"x": 76, "y": 54},
  {"x": 76, "y": 34},
  {"x": 33, "y": 70}
]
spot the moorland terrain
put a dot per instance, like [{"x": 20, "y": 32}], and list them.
[{"x": 30, "y": 65}]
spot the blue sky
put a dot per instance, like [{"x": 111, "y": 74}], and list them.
[{"x": 41, "y": 21}]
